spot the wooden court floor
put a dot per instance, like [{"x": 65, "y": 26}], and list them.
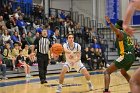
[{"x": 74, "y": 83}]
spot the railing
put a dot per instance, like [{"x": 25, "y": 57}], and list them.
[{"x": 57, "y": 12}]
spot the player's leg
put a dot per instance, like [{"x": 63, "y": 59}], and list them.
[
  {"x": 107, "y": 73},
  {"x": 125, "y": 74},
  {"x": 61, "y": 78},
  {"x": 87, "y": 76},
  {"x": 135, "y": 82}
]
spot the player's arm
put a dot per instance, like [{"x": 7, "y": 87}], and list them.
[
  {"x": 112, "y": 26},
  {"x": 129, "y": 13},
  {"x": 117, "y": 31},
  {"x": 78, "y": 53}
]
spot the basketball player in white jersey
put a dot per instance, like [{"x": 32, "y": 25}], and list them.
[
  {"x": 132, "y": 7},
  {"x": 73, "y": 60}
]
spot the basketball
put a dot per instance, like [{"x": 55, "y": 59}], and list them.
[{"x": 57, "y": 49}]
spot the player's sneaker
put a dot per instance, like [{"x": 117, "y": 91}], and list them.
[
  {"x": 90, "y": 86},
  {"x": 59, "y": 89}
]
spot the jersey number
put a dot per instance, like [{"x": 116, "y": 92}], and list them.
[{"x": 129, "y": 40}]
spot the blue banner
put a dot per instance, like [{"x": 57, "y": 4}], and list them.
[
  {"x": 113, "y": 10},
  {"x": 25, "y": 5},
  {"x": 136, "y": 18}
]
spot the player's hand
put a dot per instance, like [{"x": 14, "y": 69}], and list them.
[
  {"x": 107, "y": 19},
  {"x": 55, "y": 56}
]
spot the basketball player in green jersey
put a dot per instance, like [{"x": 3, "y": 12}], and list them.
[{"x": 126, "y": 53}]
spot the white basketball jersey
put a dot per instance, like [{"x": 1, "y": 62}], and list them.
[{"x": 73, "y": 55}]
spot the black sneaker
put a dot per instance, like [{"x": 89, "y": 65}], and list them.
[
  {"x": 42, "y": 82},
  {"x": 45, "y": 81}
]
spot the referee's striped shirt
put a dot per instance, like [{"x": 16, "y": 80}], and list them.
[{"x": 43, "y": 45}]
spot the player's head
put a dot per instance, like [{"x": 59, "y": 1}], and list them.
[
  {"x": 70, "y": 38},
  {"x": 119, "y": 24}
]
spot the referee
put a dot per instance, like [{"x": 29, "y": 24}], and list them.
[{"x": 42, "y": 44}]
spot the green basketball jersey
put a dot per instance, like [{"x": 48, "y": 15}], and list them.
[{"x": 126, "y": 45}]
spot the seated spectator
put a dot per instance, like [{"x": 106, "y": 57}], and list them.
[
  {"x": 3, "y": 68},
  {"x": 37, "y": 35},
  {"x": 21, "y": 25},
  {"x": 32, "y": 55},
  {"x": 7, "y": 38},
  {"x": 23, "y": 41},
  {"x": 96, "y": 45},
  {"x": 2, "y": 21},
  {"x": 62, "y": 15},
  {"x": 87, "y": 59},
  {"x": 36, "y": 24},
  {"x": 11, "y": 25},
  {"x": 103, "y": 47},
  {"x": 15, "y": 50},
  {"x": 55, "y": 38},
  {"x": 39, "y": 29},
  {"x": 25, "y": 51},
  {"x": 137, "y": 50},
  {"x": 20, "y": 62},
  {"x": 8, "y": 55},
  {"x": 2, "y": 29},
  {"x": 93, "y": 57},
  {"x": 29, "y": 38},
  {"x": 99, "y": 58},
  {"x": 16, "y": 38}
]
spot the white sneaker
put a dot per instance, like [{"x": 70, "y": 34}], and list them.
[
  {"x": 28, "y": 76},
  {"x": 90, "y": 86},
  {"x": 4, "y": 78},
  {"x": 59, "y": 89}
]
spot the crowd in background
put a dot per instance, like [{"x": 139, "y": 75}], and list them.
[{"x": 17, "y": 40}]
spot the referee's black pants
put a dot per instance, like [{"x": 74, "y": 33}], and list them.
[{"x": 42, "y": 60}]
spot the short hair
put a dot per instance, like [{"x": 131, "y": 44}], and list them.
[
  {"x": 70, "y": 34},
  {"x": 20, "y": 50},
  {"x": 119, "y": 24}
]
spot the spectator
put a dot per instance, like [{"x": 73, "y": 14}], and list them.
[
  {"x": 96, "y": 45},
  {"x": 103, "y": 49},
  {"x": 8, "y": 57},
  {"x": 16, "y": 37},
  {"x": 21, "y": 25},
  {"x": 7, "y": 38},
  {"x": 11, "y": 25},
  {"x": 32, "y": 55},
  {"x": 1, "y": 21},
  {"x": 55, "y": 38},
  {"x": 29, "y": 38},
  {"x": 15, "y": 50},
  {"x": 3, "y": 68},
  {"x": 93, "y": 57},
  {"x": 37, "y": 35},
  {"x": 24, "y": 41},
  {"x": 137, "y": 50},
  {"x": 86, "y": 57},
  {"x": 20, "y": 62}
]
